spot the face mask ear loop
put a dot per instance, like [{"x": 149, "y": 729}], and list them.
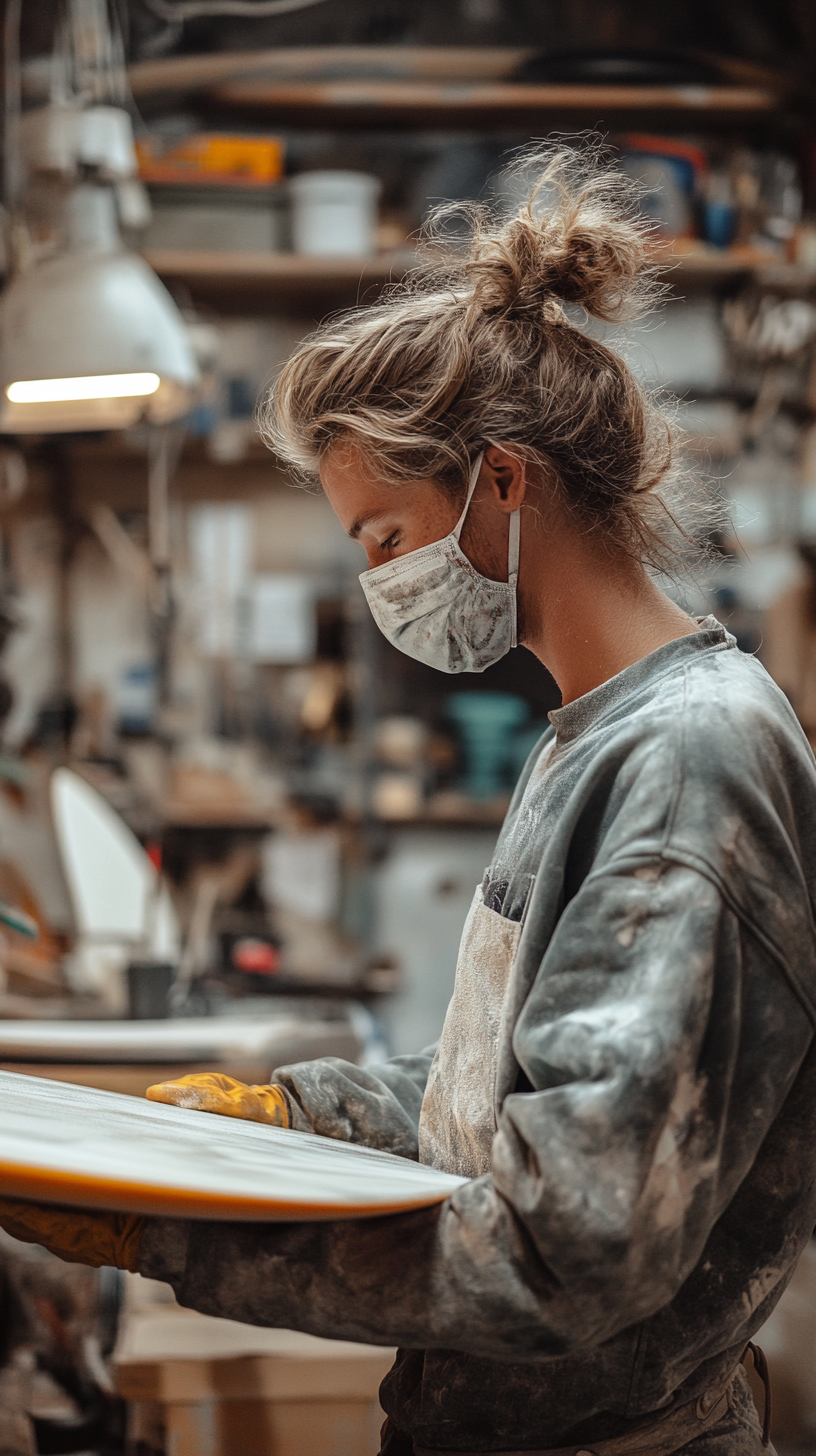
[
  {"x": 474, "y": 476},
  {"x": 513, "y": 565},
  {"x": 513, "y": 547}
]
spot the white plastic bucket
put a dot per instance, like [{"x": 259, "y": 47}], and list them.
[{"x": 334, "y": 214}]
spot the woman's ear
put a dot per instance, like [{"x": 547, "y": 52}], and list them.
[{"x": 503, "y": 473}]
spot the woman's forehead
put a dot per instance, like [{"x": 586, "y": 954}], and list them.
[{"x": 360, "y": 497}]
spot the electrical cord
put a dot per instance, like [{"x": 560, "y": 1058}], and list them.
[
  {"x": 193, "y": 9},
  {"x": 11, "y": 108}
]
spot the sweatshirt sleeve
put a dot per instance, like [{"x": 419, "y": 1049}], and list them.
[
  {"x": 658, "y": 1044},
  {"x": 377, "y": 1106}
]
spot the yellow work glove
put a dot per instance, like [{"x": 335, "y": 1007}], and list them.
[
  {"x": 77, "y": 1235},
  {"x": 215, "y": 1092}
]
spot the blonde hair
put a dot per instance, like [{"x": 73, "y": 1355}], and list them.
[{"x": 483, "y": 350}]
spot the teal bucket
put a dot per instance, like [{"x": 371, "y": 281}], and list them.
[{"x": 487, "y": 724}]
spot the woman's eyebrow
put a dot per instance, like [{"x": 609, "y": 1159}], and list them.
[{"x": 361, "y": 521}]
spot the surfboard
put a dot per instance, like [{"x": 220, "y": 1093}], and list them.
[{"x": 64, "y": 1144}]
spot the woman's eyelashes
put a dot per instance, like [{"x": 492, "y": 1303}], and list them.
[{"x": 391, "y": 543}]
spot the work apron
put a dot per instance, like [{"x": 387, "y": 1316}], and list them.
[
  {"x": 458, "y": 1119},
  {"x": 458, "y": 1123}
]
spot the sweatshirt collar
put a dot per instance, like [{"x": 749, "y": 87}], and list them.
[{"x": 579, "y": 715}]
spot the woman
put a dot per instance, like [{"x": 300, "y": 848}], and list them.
[{"x": 626, "y": 1074}]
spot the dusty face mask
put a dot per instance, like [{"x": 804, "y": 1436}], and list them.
[{"x": 433, "y": 605}]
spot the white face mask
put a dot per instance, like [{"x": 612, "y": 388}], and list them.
[{"x": 434, "y": 606}]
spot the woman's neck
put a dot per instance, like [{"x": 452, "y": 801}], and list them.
[{"x": 585, "y": 613}]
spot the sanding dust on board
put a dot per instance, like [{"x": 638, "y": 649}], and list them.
[{"x": 74, "y": 1145}]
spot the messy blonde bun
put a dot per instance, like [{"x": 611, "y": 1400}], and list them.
[{"x": 485, "y": 347}]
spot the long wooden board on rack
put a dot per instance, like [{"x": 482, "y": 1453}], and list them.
[{"x": 475, "y": 103}]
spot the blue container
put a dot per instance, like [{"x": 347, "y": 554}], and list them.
[
  {"x": 486, "y": 723},
  {"x": 719, "y": 223}
]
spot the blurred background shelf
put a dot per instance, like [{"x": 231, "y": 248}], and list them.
[
  {"x": 476, "y": 104},
  {"x": 477, "y": 87},
  {"x": 286, "y": 282},
  {"x": 192, "y": 73},
  {"x": 291, "y": 283}
]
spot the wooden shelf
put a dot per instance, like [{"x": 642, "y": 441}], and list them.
[
  {"x": 277, "y": 268},
  {"x": 291, "y": 283},
  {"x": 475, "y": 104},
  {"x": 333, "y": 63},
  {"x": 469, "y": 87},
  {"x": 280, "y": 282},
  {"x": 690, "y": 262}
]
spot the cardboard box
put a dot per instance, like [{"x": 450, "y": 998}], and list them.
[{"x": 218, "y": 1388}]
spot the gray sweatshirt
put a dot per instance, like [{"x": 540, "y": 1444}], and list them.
[{"x": 653, "y": 1172}]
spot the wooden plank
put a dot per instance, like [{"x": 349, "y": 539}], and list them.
[
  {"x": 271, "y": 268},
  {"x": 288, "y": 269},
  {"x": 191, "y": 73},
  {"x": 279, "y": 283},
  {"x": 477, "y": 102},
  {"x": 290, "y": 1428},
  {"x": 262, "y": 1377},
  {"x": 156, "y": 1335},
  {"x": 289, "y": 282},
  {"x": 688, "y": 257}
]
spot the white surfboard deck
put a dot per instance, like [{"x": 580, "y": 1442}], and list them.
[{"x": 74, "y": 1145}]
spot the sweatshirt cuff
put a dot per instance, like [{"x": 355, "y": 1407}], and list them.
[
  {"x": 163, "y": 1249},
  {"x": 299, "y": 1120}
]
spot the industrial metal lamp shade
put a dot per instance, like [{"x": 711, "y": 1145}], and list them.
[{"x": 90, "y": 339}]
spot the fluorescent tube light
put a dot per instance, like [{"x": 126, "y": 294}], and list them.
[
  {"x": 89, "y": 337},
  {"x": 89, "y": 386}
]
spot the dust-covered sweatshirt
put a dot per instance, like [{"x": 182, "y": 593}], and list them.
[{"x": 652, "y": 1177}]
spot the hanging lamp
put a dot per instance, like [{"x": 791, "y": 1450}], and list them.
[{"x": 89, "y": 337}]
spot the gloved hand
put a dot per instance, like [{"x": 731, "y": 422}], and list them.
[
  {"x": 215, "y": 1092},
  {"x": 80, "y": 1236}
]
